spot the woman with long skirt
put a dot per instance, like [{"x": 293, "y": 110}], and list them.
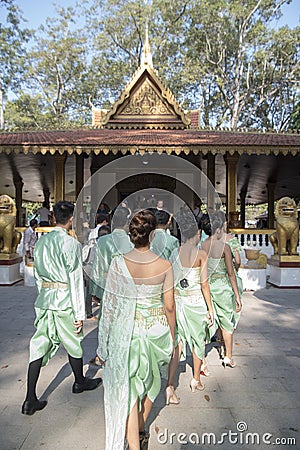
[{"x": 136, "y": 335}]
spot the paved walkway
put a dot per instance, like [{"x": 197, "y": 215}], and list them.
[{"x": 260, "y": 394}]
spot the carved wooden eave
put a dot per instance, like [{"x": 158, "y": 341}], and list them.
[{"x": 146, "y": 103}]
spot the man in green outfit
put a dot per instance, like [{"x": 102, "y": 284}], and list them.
[
  {"x": 113, "y": 244},
  {"x": 163, "y": 243},
  {"x": 60, "y": 306}
]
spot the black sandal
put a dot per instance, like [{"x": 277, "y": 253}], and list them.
[{"x": 144, "y": 439}]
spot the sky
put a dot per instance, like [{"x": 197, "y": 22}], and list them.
[{"x": 36, "y": 11}]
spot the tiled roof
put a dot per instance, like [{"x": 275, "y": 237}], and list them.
[
  {"x": 151, "y": 137},
  {"x": 101, "y": 138}
]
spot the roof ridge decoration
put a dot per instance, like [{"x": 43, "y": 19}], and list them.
[{"x": 146, "y": 102}]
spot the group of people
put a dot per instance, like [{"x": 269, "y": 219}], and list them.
[{"x": 157, "y": 296}]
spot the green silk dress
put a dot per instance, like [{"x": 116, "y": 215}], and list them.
[
  {"x": 222, "y": 295},
  {"x": 235, "y": 246},
  {"x": 135, "y": 342},
  {"x": 191, "y": 309}
]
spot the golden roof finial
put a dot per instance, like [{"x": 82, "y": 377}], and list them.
[{"x": 146, "y": 58}]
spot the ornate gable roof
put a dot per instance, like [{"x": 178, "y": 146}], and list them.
[{"x": 146, "y": 102}]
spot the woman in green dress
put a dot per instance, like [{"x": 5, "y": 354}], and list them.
[
  {"x": 223, "y": 284},
  {"x": 136, "y": 335},
  {"x": 194, "y": 311}
]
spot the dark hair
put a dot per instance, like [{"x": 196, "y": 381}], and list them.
[
  {"x": 140, "y": 228},
  {"x": 101, "y": 218},
  {"x": 63, "y": 210},
  {"x": 216, "y": 221},
  {"x": 105, "y": 229},
  {"x": 120, "y": 217},
  {"x": 33, "y": 222},
  {"x": 221, "y": 215},
  {"x": 45, "y": 204},
  {"x": 188, "y": 226},
  {"x": 204, "y": 223},
  {"x": 162, "y": 217}
]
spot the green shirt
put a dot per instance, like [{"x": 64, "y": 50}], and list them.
[
  {"x": 57, "y": 259},
  {"x": 163, "y": 243}
]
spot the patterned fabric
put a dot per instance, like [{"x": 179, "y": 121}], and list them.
[
  {"x": 191, "y": 308},
  {"x": 134, "y": 348},
  {"x": 222, "y": 294}
]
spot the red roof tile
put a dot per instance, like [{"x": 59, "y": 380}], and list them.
[{"x": 142, "y": 137}]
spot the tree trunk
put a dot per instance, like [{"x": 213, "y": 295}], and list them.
[{"x": 1, "y": 111}]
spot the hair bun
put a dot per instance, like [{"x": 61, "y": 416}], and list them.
[{"x": 140, "y": 228}]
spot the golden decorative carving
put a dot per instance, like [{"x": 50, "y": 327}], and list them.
[
  {"x": 285, "y": 238},
  {"x": 145, "y": 101},
  {"x": 9, "y": 237}
]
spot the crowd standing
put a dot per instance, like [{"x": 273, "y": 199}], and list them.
[{"x": 157, "y": 294}]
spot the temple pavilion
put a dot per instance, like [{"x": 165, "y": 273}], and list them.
[{"x": 147, "y": 120}]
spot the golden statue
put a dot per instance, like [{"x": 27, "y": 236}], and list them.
[
  {"x": 285, "y": 239},
  {"x": 9, "y": 237}
]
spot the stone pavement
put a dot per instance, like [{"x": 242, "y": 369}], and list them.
[{"x": 261, "y": 394}]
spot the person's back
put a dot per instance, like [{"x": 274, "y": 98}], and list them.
[
  {"x": 146, "y": 267},
  {"x": 57, "y": 259},
  {"x": 136, "y": 334},
  {"x": 163, "y": 243},
  {"x": 44, "y": 214},
  {"x": 109, "y": 246}
]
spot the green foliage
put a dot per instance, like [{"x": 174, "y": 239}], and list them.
[
  {"x": 219, "y": 56},
  {"x": 295, "y": 118}
]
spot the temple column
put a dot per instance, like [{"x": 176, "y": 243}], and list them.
[
  {"x": 59, "y": 177},
  {"x": 18, "y": 183},
  {"x": 211, "y": 176},
  {"x": 46, "y": 193},
  {"x": 79, "y": 180},
  {"x": 243, "y": 194},
  {"x": 231, "y": 183},
  {"x": 271, "y": 191}
]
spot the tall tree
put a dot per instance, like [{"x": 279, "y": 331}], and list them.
[
  {"x": 243, "y": 57},
  {"x": 56, "y": 69},
  {"x": 12, "y": 40}
]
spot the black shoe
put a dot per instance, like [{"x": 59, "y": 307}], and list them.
[
  {"x": 88, "y": 385},
  {"x": 144, "y": 439},
  {"x": 30, "y": 408}
]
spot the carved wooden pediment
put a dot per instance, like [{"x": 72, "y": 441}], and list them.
[{"x": 146, "y": 103}]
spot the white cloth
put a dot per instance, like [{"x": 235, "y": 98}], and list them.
[
  {"x": 30, "y": 239},
  {"x": 94, "y": 233},
  {"x": 115, "y": 331}
]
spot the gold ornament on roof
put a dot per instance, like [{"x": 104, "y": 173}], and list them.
[{"x": 145, "y": 102}]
